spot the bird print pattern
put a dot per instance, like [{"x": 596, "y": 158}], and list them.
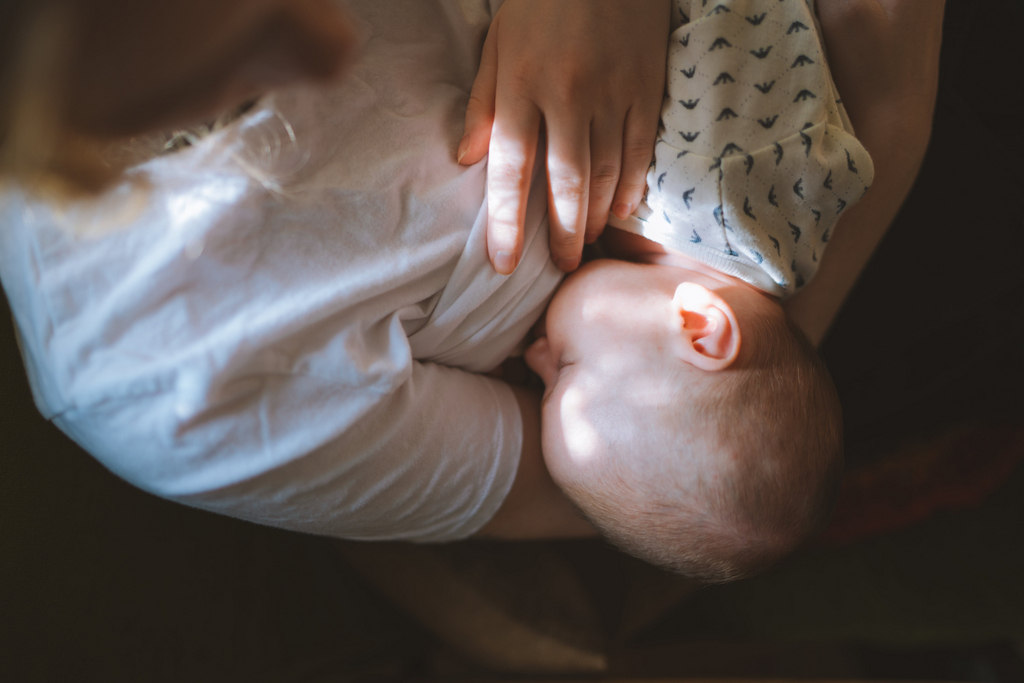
[{"x": 756, "y": 156}]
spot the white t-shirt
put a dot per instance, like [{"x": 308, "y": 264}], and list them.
[{"x": 282, "y": 330}]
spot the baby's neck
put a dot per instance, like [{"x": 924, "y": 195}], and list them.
[{"x": 629, "y": 246}]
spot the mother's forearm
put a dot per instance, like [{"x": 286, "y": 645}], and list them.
[
  {"x": 535, "y": 508},
  {"x": 884, "y": 56},
  {"x": 897, "y": 143}
]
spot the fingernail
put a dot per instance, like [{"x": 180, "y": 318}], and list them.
[
  {"x": 463, "y": 147},
  {"x": 505, "y": 262},
  {"x": 622, "y": 211}
]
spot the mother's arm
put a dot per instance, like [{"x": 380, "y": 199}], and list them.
[
  {"x": 535, "y": 507},
  {"x": 884, "y": 56}
]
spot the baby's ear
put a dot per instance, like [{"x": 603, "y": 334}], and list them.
[
  {"x": 541, "y": 359},
  {"x": 710, "y": 334}
]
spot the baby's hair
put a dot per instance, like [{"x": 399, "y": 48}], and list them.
[
  {"x": 762, "y": 453},
  {"x": 789, "y": 407}
]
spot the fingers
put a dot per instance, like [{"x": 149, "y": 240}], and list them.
[
  {"x": 568, "y": 188},
  {"x": 480, "y": 110},
  {"x": 513, "y": 150},
  {"x": 605, "y": 166},
  {"x": 637, "y": 151}
]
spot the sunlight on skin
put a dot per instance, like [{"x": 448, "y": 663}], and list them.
[
  {"x": 508, "y": 188},
  {"x": 569, "y": 212},
  {"x": 568, "y": 195},
  {"x": 509, "y": 168},
  {"x": 580, "y": 437}
]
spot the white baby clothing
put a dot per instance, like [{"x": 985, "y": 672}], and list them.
[
  {"x": 279, "y": 323},
  {"x": 755, "y": 159}
]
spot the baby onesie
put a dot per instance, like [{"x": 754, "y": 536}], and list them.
[{"x": 755, "y": 159}]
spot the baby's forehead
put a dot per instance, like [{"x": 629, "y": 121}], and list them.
[
  {"x": 603, "y": 268},
  {"x": 602, "y": 278}
]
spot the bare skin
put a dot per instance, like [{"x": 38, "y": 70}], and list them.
[{"x": 591, "y": 74}]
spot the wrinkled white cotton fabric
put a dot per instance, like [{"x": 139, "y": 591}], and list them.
[{"x": 283, "y": 330}]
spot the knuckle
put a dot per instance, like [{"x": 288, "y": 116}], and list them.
[
  {"x": 633, "y": 181},
  {"x": 567, "y": 92},
  {"x": 476, "y": 104},
  {"x": 503, "y": 223},
  {"x": 568, "y": 189},
  {"x": 604, "y": 178},
  {"x": 638, "y": 150},
  {"x": 502, "y": 235},
  {"x": 566, "y": 244},
  {"x": 596, "y": 220},
  {"x": 521, "y": 77},
  {"x": 571, "y": 84},
  {"x": 631, "y": 187},
  {"x": 630, "y": 192},
  {"x": 507, "y": 176}
]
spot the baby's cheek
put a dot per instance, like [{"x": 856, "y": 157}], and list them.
[{"x": 572, "y": 442}]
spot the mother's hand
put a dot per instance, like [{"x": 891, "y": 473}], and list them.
[{"x": 593, "y": 72}]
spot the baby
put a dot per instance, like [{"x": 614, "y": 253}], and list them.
[{"x": 685, "y": 446}]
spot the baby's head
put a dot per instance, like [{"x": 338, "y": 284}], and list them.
[{"x": 684, "y": 447}]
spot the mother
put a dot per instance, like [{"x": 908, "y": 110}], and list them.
[{"x": 283, "y": 322}]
